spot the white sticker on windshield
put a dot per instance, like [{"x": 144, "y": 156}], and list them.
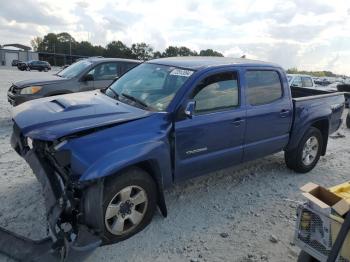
[{"x": 181, "y": 72}]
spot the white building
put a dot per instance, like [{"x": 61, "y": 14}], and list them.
[{"x": 11, "y": 52}]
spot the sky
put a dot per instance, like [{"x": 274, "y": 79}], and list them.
[{"x": 307, "y": 34}]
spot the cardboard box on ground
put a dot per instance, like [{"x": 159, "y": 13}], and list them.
[
  {"x": 325, "y": 201},
  {"x": 333, "y": 203}
]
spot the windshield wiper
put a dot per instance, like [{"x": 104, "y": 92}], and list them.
[{"x": 140, "y": 102}]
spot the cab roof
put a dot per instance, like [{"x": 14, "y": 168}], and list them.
[{"x": 201, "y": 62}]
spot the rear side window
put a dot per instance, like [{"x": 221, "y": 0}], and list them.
[
  {"x": 217, "y": 92},
  {"x": 263, "y": 87},
  {"x": 307, "y": 82}
]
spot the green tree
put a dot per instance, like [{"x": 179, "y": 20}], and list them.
[
  {"x": 157, "y": 54},
  {"x": 210, "y": 52},
  {"x": 49, "y": 43},
  {"x": 171, "y": 51},
  {"x": 117, "y": 49},
  {"x": 35, "y": 43},
  {"x": 141, "y": 51}
]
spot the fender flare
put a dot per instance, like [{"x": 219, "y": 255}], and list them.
[
  {"x": 154, "y": 157},
  {"x": 296, "y": 137}
]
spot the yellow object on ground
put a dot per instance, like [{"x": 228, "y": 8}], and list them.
[{"x": 342, "y": 190}]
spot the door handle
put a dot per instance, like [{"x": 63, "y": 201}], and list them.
[
  {"x": 284, "y": 113},
  {"x": 237, "y": 121}
]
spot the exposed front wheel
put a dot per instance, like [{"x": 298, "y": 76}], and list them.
[
  {"x": 129, "y": 204},
  {"x": 304, "y": 158}
]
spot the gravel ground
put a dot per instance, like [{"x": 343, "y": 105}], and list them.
[{"x": 245, "y": 213}]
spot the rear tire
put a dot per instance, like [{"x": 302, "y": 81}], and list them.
[
  {"x": 129, "y": 199},
  {"x": 304, "y": 158},
  {"x": 348, "y": 120}
]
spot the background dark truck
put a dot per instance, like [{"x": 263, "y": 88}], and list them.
[
  {"x": 85, "y": 75},
  {"x": 104, "y": 158}
]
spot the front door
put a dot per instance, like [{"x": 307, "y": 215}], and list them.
[
  {"x": 213, "y": 137},
  {"x": 104, "y": 74}
]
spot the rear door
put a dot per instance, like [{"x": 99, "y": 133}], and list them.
[
  {"x": 213, "y": 137},
  {"x": 269, "y": 113}
]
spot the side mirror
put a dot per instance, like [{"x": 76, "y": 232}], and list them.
[
  {"x": 190, "y": 107},
  {"x": 88, "y": 77}
]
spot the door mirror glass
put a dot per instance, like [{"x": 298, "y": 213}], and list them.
[
  {"x": 89, "y": 77},
  {"x": 189, "y": 110}
]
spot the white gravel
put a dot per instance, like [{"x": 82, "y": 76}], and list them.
[{"x": 245, "y": 213}]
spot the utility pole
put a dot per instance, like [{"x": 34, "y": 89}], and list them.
[
  {"x": 54, "y": 53},
  {"x": 70, "y": 49}
]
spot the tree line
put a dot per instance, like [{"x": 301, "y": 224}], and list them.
[
  {"x": 64, "y": 43},
  {"x": 295, "y": 70}
]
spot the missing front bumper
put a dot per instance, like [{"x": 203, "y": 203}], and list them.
[{"x": 75, "y": 244}]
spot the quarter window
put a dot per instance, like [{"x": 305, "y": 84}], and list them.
[
  {"x": 217, "y": 92},
  {"x": 263, "y": 87}
]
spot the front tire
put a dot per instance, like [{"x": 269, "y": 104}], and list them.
[
  {"x": 305, "y": 157},
  {"x": 129, "y": 203},
  {"x": 348, "y": 120}
]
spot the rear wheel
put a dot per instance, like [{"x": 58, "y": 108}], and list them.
[
  {"x": 129, "y": 204},
  {"x": 304, "y": 158}
]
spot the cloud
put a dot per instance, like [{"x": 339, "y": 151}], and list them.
[
  {"x": 302, "y": 33},
  {"x": 27, "y": 11},
  {"x": 309, "y": 34}
]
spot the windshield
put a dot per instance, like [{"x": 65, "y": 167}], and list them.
[
  {"x": 150, "y": 85},
  {"x": 289, "y": 78},
  {"x": 74, "y": 69}
]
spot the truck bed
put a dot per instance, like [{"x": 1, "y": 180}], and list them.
[
  {"x": 312, "y": 104},
  {"x": 298, "y": 92}
]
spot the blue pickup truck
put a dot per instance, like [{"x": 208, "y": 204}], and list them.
[{"x": 104, "y": 158}]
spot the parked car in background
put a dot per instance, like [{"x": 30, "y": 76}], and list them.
[
  {"x": 15, "y": 62},
  {"x": 34, "y": 65},
  {"x": 105, "y": 158},
  {"x": 39, "y": 65},
  {"x": 297, "y": 80},
  {"x": 85, "y": 75},
  {"x": 306, "y": 81},
  {"x": 23, "y": 66}
]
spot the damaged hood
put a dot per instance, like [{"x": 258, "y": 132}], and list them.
[{"x": 58, "y": 116}]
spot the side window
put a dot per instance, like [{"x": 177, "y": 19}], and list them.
[
  {"x": 124, "y": 67},
  {"x": 297, "y": 82},
  {"x": 263, "y": 87},
  {"x": 105, "y": 71},
  {"x": 307, "y": 81},
  {"x": 217, "y": 92}
]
